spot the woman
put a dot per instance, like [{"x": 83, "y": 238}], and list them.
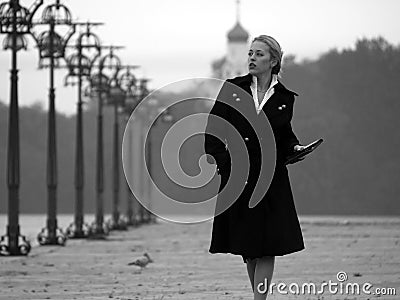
[{"x": 271, "y": 228}]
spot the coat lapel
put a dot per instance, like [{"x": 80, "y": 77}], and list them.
[
  {"x": 245, "y": 83},
  {"x": 271, "y": 107}
]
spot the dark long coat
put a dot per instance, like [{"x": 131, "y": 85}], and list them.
[{"x": 271, "y": 227}]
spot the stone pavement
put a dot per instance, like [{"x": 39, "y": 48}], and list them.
[{"x": 183, "y": 269}]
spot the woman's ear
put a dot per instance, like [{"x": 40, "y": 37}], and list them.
[{"x": 274, "y": 62}]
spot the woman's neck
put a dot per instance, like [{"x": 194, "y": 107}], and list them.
[{"x": 263, "y": 81}]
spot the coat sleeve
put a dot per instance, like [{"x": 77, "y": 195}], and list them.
[
  {"x": 216, "y": 131},
  {"x": 289, "y": 137}
]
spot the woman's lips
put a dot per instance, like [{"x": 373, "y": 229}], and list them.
[{"x": 251, "y": 65}]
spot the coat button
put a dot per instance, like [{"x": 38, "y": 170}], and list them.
[
  {"x": 234, "y": 95},
  {"x": 246, "y": 139},
  {"x": 245, "y": 182},
  {"x": 237, "y": 99}
]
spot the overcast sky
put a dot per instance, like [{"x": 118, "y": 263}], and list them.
[{"x": 178, "y": 39}]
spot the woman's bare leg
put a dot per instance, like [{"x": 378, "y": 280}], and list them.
[
  {"x": 251, "y": 268},
  {"x": 262, "y": 275}
]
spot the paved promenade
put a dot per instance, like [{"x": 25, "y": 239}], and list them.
[{"x": 183, "y": 269}]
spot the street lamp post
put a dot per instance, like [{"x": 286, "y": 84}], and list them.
[
  {"x": 80, "y": 66},
  {"x": 52, "y": 47},
  {"x": 153, "y": 103},
  {"x": 100, "y": 83},
  {"x": 15, "y": 21},
  {"x": 151, "y": 110},
  {"x": 128, "y": 83},
  {"x": 145, "y": 113},
  {"x": 131, "y": 201},
  {"x": 164, "y": 117},
  {"x": 117, "y": 100},
  {"x": 140, "y": 155},
  {"x": 145, "y": 214}
]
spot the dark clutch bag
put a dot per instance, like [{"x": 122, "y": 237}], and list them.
[{"x": 300, "y": 155}]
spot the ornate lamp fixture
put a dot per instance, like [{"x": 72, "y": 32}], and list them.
[
  {"x": 79, "y": 66},
  {"x": 51, "y": 47},
  {"x": 15, "y": 22},
  {"x": 100, "y": 85},
  {"x": 128, "y": 83},
  {"x": 117, "y": 100}
]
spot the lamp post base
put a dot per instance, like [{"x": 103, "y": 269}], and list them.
[
  {"x": 133, "y": 221},
  {"x": 119, "y": 224},
  {"x": 78, "y": 232},
  {"x": 148, "y": 218},
  {"x": 47, "y": 238},
  {"x": 20, "y": 247},
  {"x": 98, "y": 232},
  {"x": 153, "y": 219}
]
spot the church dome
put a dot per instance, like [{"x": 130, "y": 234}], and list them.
[{"x": 238, "y": 34}]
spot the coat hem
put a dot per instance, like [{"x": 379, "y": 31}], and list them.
[{"x": 245, "y": 256}]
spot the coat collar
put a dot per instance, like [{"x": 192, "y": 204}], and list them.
[{"x": 245, "y": 82}]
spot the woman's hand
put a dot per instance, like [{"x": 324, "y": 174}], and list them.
[{"x": 298, "y": 147}]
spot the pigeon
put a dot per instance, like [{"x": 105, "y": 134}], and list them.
[{"x": 142, "y": 261}]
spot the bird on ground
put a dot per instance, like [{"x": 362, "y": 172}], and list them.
[{"x": 142, "y": 261}]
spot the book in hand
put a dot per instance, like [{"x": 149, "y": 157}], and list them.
[{"x": 300, "y": 154}]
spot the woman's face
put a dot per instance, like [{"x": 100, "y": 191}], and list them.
[{"x": 259, "y": 59}]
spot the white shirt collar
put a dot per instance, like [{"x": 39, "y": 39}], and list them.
[{"x": 267, "y": 95}]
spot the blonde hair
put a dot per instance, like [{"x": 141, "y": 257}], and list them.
[{"x": 275, "y": 50}]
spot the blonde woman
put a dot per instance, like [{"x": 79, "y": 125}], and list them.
[{"x": 271, "y": 228}]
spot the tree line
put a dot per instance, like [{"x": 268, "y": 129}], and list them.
[{"x": 350, "y": 98}]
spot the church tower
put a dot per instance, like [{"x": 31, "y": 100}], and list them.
[{"x": 235, "y": 62}]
